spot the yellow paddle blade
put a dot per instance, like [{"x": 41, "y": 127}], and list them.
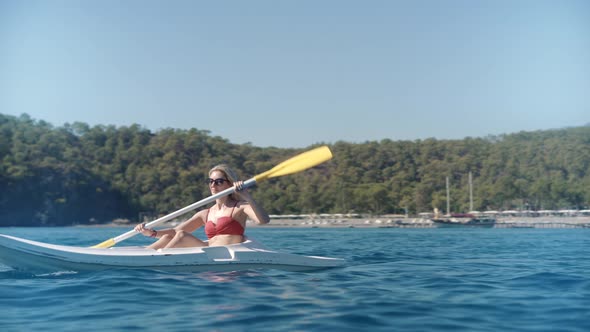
[
  {"x": 298, "y": 163},
  {"x": 106, "y": 244}
]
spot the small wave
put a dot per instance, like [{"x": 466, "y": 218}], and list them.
[{"x": 56, "y": 274}]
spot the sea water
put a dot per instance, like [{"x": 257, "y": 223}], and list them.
[{"x": 393, "y": 280}]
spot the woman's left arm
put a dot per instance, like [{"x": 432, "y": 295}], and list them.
[{"x": 254, "y": 211}]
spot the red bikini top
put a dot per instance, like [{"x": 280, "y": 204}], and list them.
[{"x": 225, "y": 225}]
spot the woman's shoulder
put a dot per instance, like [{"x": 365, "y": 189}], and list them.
[{"x": 201, "y": 213}]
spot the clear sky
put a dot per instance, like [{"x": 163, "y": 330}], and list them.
[{"x": 296, "y": 73}]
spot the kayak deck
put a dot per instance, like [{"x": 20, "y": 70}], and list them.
[{"x": 28, "y": 255}]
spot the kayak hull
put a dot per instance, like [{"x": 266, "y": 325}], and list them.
[{"x": 26, "y": 255}]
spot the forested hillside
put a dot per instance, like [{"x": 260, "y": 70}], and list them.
[{"x": 77, "y": 174}]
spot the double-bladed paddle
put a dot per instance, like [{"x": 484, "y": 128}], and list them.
[{"x": 295, "y": 164}]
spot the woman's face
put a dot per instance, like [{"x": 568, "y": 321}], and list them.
[{"x": 218, "y": 182}]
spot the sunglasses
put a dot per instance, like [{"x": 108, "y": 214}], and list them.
[{"x": 217, "y": 182}]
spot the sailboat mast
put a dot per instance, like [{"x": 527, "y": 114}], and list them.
[
  {"x": 470, "y": 192},
  {"x": 448, "y": 198}
]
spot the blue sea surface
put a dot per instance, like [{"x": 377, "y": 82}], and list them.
[{"x": 395, "y": 280}]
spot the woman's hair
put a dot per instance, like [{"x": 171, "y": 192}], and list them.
[{"x": 229, "y": 174}]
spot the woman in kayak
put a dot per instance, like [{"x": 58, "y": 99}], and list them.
[{"x": 224, "y": 222}]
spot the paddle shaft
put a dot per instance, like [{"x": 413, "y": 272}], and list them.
[{"x": 247, "y": 184}]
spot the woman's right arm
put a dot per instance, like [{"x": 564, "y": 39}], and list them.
[
  {"x": 189, "y": 225},
  {"x": 192, "y": 224}
]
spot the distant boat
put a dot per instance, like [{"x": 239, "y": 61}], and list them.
[{"x": 462, "y": 219}]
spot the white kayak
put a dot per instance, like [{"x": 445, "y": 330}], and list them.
[{"x": 27, "y": 255}]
